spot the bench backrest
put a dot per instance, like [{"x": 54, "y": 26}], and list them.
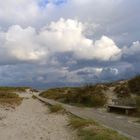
[{"x": 124, "y": 102}]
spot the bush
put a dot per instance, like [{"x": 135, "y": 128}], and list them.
[
  {"x": 138, "y": 101},
  {"x": 122, "y": 91},
  {"x": 134, "y": 85},
  {"x": 87, "y": 95}
]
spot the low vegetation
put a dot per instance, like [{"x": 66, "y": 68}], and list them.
[
  {"x": 90, "y": 130},
  {"x": 33, "y": 96},
  {"x": 91, "y": 96},
  {"x": 134, "y": 85},
  {"x": 78, "y": 123},
  {"x": 9, "y": 98},
  {"x": 138, "y": 106},
  {"x": 14, "y": 89},
  {"x": 56, "y": 108},
  {"x": 122, "y": 91}
]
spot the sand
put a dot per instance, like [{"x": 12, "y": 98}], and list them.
[{"x": 33, "y": 121}]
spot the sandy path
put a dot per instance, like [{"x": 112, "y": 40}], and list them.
[{"x": 32, "y": 121}]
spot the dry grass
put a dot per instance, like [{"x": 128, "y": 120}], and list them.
[
  {"x": 14, "y": 89},
  {"x": 33, "y": 96},
  {"x": 9, "y": 98},
  {"x": 10, "y": 101},
  {"x": 77, "y": 123},
  {"x": 56, "y": 108}
]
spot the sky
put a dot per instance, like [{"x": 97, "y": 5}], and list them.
[{"x": 47, "y": 43}]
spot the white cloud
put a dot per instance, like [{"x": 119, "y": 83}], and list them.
[
  {"x": 67, "y": 36},
  {"x": 19, "y": 12},
  {"x": 133, "y": 49},
  {"x": 21, "y": 44},
  {"x": 26, "y": 44}
]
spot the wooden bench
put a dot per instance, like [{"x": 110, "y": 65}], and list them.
[{"x": 127, "y": 109}]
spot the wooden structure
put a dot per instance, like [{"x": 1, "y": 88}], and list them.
[
  {"x": 126, "y": 109},
  {"x": 126, "y": 106}
]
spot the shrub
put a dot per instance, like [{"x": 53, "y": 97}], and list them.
[
  {"x": 134, "y": 85},
  {"x": 138, "y": 101},
  {"x": 122, "y": 91},
  {"x": 87, "y": 95}
]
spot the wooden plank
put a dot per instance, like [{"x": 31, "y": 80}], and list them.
[{"x": 121, "y": 107}]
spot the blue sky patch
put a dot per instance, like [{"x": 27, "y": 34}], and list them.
[{"x": 43, "y": 3}]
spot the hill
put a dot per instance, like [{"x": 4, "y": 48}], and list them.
[{"x": 127, "y": 91}]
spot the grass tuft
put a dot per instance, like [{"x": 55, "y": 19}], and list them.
[
  {"x": 77, "y": 123},
  {"x": 90, "y": 130},
  {"x": 56, "y": 108},
  {"x": 9, "y": 98},
  {"x": 33, "y": 96}
]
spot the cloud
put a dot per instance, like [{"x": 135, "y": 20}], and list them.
[
  {"x": 68, "y": 41},
  {"x": 19, "y": 12},
  {"x": 63, "y": 36},
  {"x": 133, "y": 49}
]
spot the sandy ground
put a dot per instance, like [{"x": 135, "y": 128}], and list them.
[{"x": 32, "y": 121}]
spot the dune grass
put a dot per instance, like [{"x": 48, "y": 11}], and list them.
[
  {"x": 14, "y": 89},
  {"x": 33, "y": 96},
  {"x": 78, "y": 123},
  {"x": 89, "y": 95},
  {"x": 9, "y": 98},
  {"x": 90, "y": 130},
  {"x": 56, "y": 108}
]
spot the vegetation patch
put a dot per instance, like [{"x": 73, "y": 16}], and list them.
[
  {"x": 122, "y": 91},
  {"x": 56, "y": 108},
  {"x": 33, "y": 96},
  {"x": 14, "y": 89},
  {"x": 138, "y": 121},
  {"x": 89, "y": 95},
  {"x": 90, "y": 130},
  {"x": 9, "y": 98},
  {"x": 134, "y": 85},
  {"x": 78, "y": 123},
  {"x": 138, "y": 105}
]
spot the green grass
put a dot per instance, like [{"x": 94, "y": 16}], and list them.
[
  {"x": 56, "y": 108},
  {"x": 90, "y": 130}
]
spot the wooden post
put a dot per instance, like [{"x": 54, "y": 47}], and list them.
[{"x": 126, "y": 111}]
